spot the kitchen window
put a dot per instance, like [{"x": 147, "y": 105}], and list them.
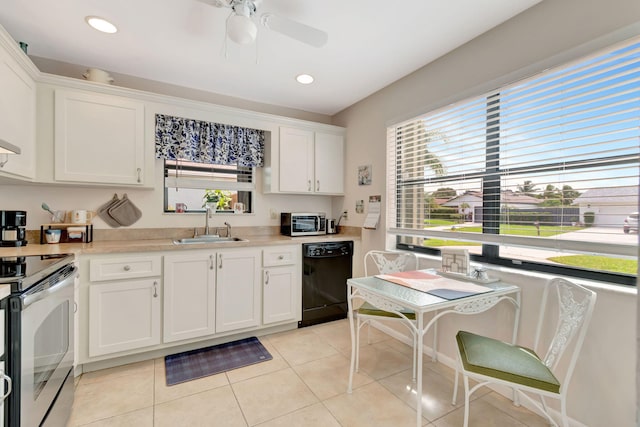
[
  {"x": 539, "y": 174},
  {"x": 207, "y": 162},
  {"x": 188, "y": 183}
]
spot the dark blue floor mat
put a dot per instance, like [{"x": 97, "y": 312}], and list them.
[{"x": 212, "y": 360}]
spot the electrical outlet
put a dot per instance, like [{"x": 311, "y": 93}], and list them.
[
  {"x": 345, "y": 215},
  {"x": 273, "y": 214}
]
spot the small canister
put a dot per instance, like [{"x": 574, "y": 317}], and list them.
[{"x": 331, "y": 226}]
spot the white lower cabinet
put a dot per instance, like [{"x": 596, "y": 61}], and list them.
[
  {"x": 237, "y": 289},
  {"x": 124, "y": 301},
  {"x": 189, "y": 295},
  {"x": 281, "y": 282},
  {"x": 279, "y": 298},
  {"x": 124, "y": 315},
  {"x": 142, "y": 302}
]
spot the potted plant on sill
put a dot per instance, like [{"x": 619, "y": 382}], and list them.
[{"x": 218, "y": 198}]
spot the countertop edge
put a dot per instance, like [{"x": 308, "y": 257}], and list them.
[{"x": 157, "y": 245}]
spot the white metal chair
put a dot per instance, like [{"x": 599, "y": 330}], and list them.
[
  {"x": 385, "y": 262},
  {"x": 567, "y": 308}
]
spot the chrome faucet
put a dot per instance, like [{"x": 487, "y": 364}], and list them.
[
  {"x": 228, "y": 228},
  {"x": 206, "y": 218}
]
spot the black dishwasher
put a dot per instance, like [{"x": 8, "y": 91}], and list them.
[{"x": 325, "y": 270}]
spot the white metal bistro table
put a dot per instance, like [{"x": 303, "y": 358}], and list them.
[{"x": 393, "y": 297}]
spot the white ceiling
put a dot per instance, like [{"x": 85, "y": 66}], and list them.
[{"x": 371, "y": 43}]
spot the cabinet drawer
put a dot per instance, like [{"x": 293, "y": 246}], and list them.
[
  {"x": 124, "y": 268},
  {"x": 280, "y": 256}
]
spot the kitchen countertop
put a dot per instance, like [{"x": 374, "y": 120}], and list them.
[{"x": 153, "y": 245}]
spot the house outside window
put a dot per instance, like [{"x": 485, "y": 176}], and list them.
[{"x": 539, "y": 174}]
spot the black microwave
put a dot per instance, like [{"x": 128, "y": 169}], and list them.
[{"x": 302, "y": 223}]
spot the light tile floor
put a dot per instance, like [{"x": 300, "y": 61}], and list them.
[{"x": 304, "y": 385}]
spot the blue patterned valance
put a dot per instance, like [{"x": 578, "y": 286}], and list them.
[{"x": 178, "y": 138}]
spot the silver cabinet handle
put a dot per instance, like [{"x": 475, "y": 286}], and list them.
[
  {"x": 318, "y": 185},
  {"x": 309, "y": 185},
  {"x": 266, "y": 277},
  {"x": 127, "y": 268},
  {"x": 9, "y": 384},
  {"x": 220, "y": 261},
  {"x": 139, "y": 174},
  {"x": 155, "y": 289},
  {"x": 211, "y": 264}
]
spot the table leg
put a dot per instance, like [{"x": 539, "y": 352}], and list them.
[
  {"x": 420, "y": 319},
  {"x": 434, "y": 355},
  {"x": 353, "y": 338}
]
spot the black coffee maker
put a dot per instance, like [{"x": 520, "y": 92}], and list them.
[{"x": 13, "y": 228}]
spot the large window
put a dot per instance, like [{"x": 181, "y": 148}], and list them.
[{"x": 541, "y": 174}]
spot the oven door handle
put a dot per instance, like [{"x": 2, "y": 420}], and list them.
[
  {"x": 27, "y": 300},
  {"x": 6, "y": 378}
]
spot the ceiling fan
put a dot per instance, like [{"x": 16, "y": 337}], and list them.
[{"x": 242, "y": 30}]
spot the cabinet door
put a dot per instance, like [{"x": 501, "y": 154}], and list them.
[
  {"x": 296, "y": 160},
  {"x": 189, "y": 296},
  {"x": 123, "y": 315},
  {"x": 329, "y": 163},
  {"x": 17, "y": 116},
  {"x": 237, "y": 289},
  {"x": 279, "y": 295},
  {"x": 98, "y": 138}
]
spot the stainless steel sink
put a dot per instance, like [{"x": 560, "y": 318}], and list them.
[{"x": 207, "y": 239}]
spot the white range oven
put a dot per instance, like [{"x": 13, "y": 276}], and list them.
[{"x": 39, "y": 333}]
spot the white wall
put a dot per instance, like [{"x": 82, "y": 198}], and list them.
[{"x": 548, "y": 34}]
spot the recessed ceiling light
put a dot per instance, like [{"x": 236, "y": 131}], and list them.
[
  {"x": 101, "y": 24},
  {"x": 304, "y": 79}
]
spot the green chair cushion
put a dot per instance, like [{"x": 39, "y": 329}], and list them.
[
  {"x": 497, "y": 359},
  {"x": 371, "y": 310}
]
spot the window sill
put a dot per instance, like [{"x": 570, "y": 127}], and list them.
[{"x": 503, "y": 273}]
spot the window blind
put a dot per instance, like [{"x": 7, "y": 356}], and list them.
[{"x": 549, "y": 162}]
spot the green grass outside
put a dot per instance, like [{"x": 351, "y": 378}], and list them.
[
  {"x": 590, "y": 262},
  {"x": 514, "y": 230},
  {"x": 441, "y": 242},
  {"x": 438, "y": 222},
  {"x": 524, "y": 230},
  {"x": 598, "y": 262}
]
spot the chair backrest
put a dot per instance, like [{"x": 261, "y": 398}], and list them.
[
  {"x": 389, "y": 262},
  {"x": 574, "y": 305}
]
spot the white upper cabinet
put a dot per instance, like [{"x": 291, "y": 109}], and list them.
[
  {"x": 17, "y": 114},
  {"x": 296, "y": 160},
  {"x": 98, "y": 138},
  {"x": 309, "y": 162},
  {"x": 329, "y": 163}
]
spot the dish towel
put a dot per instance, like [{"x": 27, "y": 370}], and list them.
[{"x": 119, "y": 212}]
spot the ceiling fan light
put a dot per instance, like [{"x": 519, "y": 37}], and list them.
[
  {"x": 101, "y": 24},
  {"x": 241, "y": 29}
]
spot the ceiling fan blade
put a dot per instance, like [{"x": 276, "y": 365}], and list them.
[
  {"x": 217, "y": 3},
  {"x": 295, "y": 30}
]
